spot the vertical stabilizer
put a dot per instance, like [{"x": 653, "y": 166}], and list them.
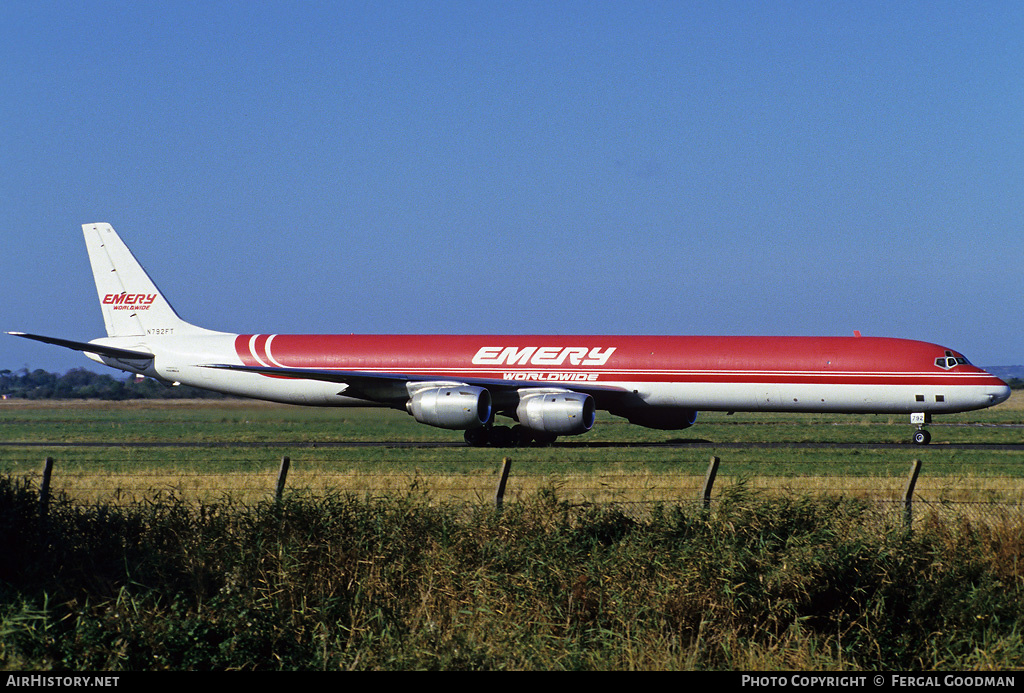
[{"x": 132, "y": 305}]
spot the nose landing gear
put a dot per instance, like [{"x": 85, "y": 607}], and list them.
[{"x": 921, "y": 435}]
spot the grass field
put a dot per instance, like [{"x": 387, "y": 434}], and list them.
[
  {"x": 206, "y": 449},
  {"x": 367, "y": 564}
]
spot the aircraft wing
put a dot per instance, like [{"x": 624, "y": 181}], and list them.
[
  {"x": 391, "y": 388},
  {"x": 112, "y": 352}
]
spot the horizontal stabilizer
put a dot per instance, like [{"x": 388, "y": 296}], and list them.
[{"x": 112, "y": 352}]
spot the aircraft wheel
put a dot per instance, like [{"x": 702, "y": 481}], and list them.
[
  {"x": 476, "y": 437},
  {"x": 544, "y": 438},
  {"x": 521, "y": 437},
  {"x": 502, "y": 437},
  {"x": 922, "y": 437}
]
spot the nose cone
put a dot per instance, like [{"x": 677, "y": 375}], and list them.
[{"x": 997, "y": 392}]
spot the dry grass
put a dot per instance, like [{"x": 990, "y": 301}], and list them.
[
  {"x": 1015, "y": 403},
  {"x": 599, "y": 487},
  {"x": 339, "y": 583}
]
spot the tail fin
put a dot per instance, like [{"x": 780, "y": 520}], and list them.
[{"x": 131, "y": 303}]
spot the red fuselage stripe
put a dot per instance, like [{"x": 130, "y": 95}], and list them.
[{"x": 776, "y": 360}]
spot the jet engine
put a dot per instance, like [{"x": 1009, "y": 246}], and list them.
[
  {"x": 560, "y": 413},
  {"x": 455, "y": 407}
]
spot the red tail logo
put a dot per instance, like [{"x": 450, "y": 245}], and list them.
[{"x": 127, "y": 301}]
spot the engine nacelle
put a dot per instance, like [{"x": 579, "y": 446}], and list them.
[
  {"x": 457, "y": 407},
  {"x": 562, "y": 413},
  {"x": 663, "y": 418}
]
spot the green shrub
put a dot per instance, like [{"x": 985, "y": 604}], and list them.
[{"x": 403, "y": 583}]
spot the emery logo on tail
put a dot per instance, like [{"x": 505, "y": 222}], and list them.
[
  {"x": 127, "y": 301},
  {"x": 542, "y": 356}
]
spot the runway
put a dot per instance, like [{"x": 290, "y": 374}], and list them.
[{"x": 568, "y": 445}]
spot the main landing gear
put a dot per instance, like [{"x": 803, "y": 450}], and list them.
[
  {"x": 921, "y": 435},
  {"x": 507, "y": 437}
]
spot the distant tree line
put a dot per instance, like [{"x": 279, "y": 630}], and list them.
[{"x": 80, "y": 383}]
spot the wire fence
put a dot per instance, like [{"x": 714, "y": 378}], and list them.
[{"x": 990, "y": 499}]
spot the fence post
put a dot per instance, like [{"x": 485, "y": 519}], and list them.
[
  {"x": 282, "y": 476},
  {"x": 709, "y": 481},
  {"x": 499, "y": 494},
  {"x": 908, "y": 493},
  {"x": 44, "y": 489}
]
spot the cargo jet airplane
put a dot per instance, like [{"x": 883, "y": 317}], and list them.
[{"x": 550, "y": 385}]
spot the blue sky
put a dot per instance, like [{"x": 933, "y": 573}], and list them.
[{"x": 542, "y": 167}]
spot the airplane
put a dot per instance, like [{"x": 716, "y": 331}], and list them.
[{"x": 549, "y": 386}]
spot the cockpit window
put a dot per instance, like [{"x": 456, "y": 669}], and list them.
[{"x": 949, "y": 361}]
